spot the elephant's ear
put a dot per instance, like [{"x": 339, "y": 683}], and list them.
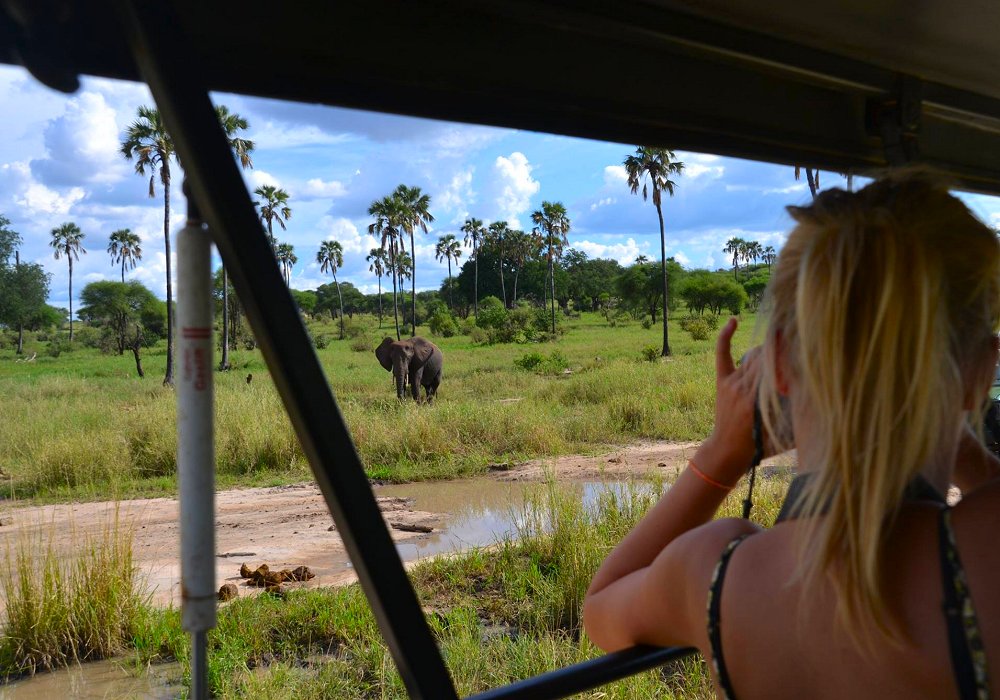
[
  {"x": 384, "y": 354},
  {"x": 422, "y": 350}
]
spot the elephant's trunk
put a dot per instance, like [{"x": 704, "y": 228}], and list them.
[{"x": 399, "y": 372}]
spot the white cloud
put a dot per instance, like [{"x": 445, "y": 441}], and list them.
[
  {"x": 320, "y": 189},
  {"x": 607, "y": 201},
  {"x": 259, "y": 178},
  {"x": 38, "y": 199},
  {"x": 343, "y": 230},
  {"x": 625, "y": 253},
  {"x": 276, "y": 135},
  {"x": 457, "y": 196},
  {"x": 512, "y": 187},
  {"x": 615, "y": 175},
  {"x": 680, "y": 257}
]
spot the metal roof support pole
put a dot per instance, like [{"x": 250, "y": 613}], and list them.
[
  {"x": 195, "y": 441},
  {"x": 170, "y": 66}
]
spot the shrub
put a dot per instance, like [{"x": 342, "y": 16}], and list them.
[
  {"x": 466, "y": 326},
  {"x": 362, "y": 344},
  {"x": 492, "y": 313},
  {"x": 57, "y": 346},
  {"x": 321, "y": 341},
  {"x": 650, "y": 353},
  {"x": 443, "y": 324},
  {"x": 698, "y": 328},
  {"x": 647, "y": 322},
  {"x": 478, "y": 336},
  {"x": 555, "y": 363},
  {"x": 353, "y": 329}
]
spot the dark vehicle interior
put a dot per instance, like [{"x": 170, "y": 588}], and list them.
[{"x": 848, "y": 86}]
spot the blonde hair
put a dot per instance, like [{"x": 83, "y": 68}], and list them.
[{"x": 882, "y": 301}]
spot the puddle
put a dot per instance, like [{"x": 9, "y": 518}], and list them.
[
  {"x": 105, "y": 680},
  {"x": 477, "y": 512}
]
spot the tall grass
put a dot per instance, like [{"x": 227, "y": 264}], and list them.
[
  {"x": 61, "y": 610},
  {"x": 81, "y": 426}
]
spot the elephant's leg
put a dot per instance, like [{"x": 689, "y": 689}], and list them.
[{"x": 415, "y": 377}]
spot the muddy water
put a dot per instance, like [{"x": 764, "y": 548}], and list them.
[{"x": 106, "y": 680}]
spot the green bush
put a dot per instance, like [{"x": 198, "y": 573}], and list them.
[
  {"x": 466, "y": 326},
  {"x": 647, "y": 322},
  {"x": 479, "y": 336},
  {"x": 353, "y": 329},
  {"x": 443, "y": 324},
  {"x": 698, "y": 328},
  {"x": 555, "y": 363},
  {"x": 362, "y": 344},
  {"x": 650, "y": 353},
  {"x": 57, "y": 346},
  {"x": 492, "y": 313}
]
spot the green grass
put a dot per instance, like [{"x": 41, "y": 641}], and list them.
[{"x": 83, "y": 426}]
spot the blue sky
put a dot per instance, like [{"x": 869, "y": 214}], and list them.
[{"x": 59, "y": 161}]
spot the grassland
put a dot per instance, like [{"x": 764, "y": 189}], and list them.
[{"x": 82, "y": 426}]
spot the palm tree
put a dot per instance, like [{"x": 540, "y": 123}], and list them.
[
  {"x": 473, "y": 230},
  {"x": 655, "y": 165},
  {"x": 147, "y": 141},
  {"x": 273, "y": 207},
  {"x": 416, "y": 212},
  {"x": 285, "y": 253},
  {"x": 386, "y": 227},
  {"x": 552, "y": 221},
  {"x": 735, "y": 247},
  {"x": 68, "y": 240},
  {"x": 752, "y": 251},
  {"x": 379, "y": 261},
  {"x": 404, "y": 271},
  {"x": 812, "y": 177},
  {"x": 641, "y": 259},
  {"x": 330, "y": 257},
  {"x": 496, "y": 236},
  {"x": 768, "y": 256},
  {"x": 232, "y": 124},
  {"x": 520, "y": 248},
  {"x": 123, "y": 247},
  {"x": 450, "y": 249}
]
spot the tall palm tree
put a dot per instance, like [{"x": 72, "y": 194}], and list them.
[
  {"x": 735, "y": 247},
  {"x": 330, "y": 257},
  {"x": 387, "y": 227},
  {"x": 379, "y": 261},
  {"x": 752, "y": 251},
  {"x": 552, "y": 222},
  {"x": 416, "y": 213},
  {"x": 273, "y": 207},
  {"x": 68, "y": 240},
  {"x": 473, "y": 230},
  {"x": 496, "y": 236},
  {"x": 641, "y": 259},
  {"x": 123, "y": 247},
  {"x": 652, "y": 167},
  {"x": 768, "y": 256},
  {"x": 520, "y": 248},
  {"x": 285, "y": 253},
  {"x": 232, "y": 125},
  {"x": 149, "y": 144},
  {"x": 812, "y": 177},
  {"x": 450, "y": 249}
]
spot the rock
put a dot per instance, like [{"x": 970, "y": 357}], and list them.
[
  {"x": 302, "y": 573},
  {"x": 500, "y": 467},
  {"x": 228, "y": 592},
  {"x": 245, "y": 571}
]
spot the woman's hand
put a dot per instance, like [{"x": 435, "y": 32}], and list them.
[{"x": 727, "y": 452}]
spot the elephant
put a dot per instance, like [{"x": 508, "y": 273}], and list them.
[{"x": 416, "y": 360}]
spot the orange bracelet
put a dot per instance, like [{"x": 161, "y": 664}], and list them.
[{"x": 707, "y": 479}]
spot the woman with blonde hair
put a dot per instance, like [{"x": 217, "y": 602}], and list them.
[{"x": 881, "y": 343}]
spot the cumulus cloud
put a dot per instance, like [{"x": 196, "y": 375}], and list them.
[
  {"x": 625, "y": 253},
  {"x": 259, "y": 178},
  {"x": 607, "y": 201},
  {"x": 343, "y": 230},
  {"x": 701, "y": 165},
  {"x": 316, "y": 188},
  {"x": 82, "y": 145},
  {"x": 277, "y": 135},
  {"x": 457, "y": 196},
  {"x": 512, "y": 187},
  {"x": 615, "y": 176}
]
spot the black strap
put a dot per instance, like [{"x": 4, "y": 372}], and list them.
[
  {"x": 715, "y": 619},
  {"x": 958, "y": 644},
  {"x": 758, "y": 457}
]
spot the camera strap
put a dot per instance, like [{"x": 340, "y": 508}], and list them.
[{"x": 758, "y": 456}]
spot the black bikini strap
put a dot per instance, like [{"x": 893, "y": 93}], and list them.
[
  {"x": 958, "y": 644},
  {"x": 715, "y": 620}
]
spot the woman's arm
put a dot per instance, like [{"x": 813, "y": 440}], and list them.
[{"x": 612, "y": 607}]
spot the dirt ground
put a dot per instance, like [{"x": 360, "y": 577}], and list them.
[{"x": 289, "y": 526}]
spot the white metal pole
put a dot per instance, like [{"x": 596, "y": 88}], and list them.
[{"x": 195, "y": 440}]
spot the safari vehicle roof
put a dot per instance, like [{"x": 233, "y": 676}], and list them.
[{"x": 836, "y": 84}]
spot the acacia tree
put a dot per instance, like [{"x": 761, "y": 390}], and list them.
[
  {"x": 232, "y": 125},
  {"x": 386, "y": 227},
  {"x": 473, "y": 230},
  {"x": 149, "y": 144},
  {"x": 416, "y": 213},
  {"x": 496, "y": 236},
  {"x": 273, "y": 207},
  {"x": 130, "y": 313},
  {"x": 330, "y": 257},
  {"x": 285, "y": 253},
  {"x": 379, "y": 261},
  {"x": 68, "y": 240},
  {"x": 123, "y": 247},
  {"x": 652, "y": 167},
  {"x": 450, "y": 249},
  {"x": 552, "y": 223}
]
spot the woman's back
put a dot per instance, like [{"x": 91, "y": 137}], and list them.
[{"x": 780, "y": 643}]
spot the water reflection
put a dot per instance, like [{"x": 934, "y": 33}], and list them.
[{"x": 103, "y": 680}]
